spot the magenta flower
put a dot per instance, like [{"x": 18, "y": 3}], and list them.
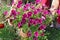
[
  {"x": 32, "y": 21},
  {"x": 23, "y": 21},
  {"x": 39, "y": 9},
  {"x": 19, "y": 25},
  {"x": 42, "y": 27},
  {"x": 18, "y": 13},
  {"x": 42, "y": 34},
  {"x": 32, "y": 7},
  {"x": 25, "y": 15},
  {"x": 44, "y": 5},
  {"x": 35, "y": 38},
  {"x": 36, "y": 34},
  {"x": 5, "y": 13},
  {"x": 45, "y": 12},
  {"x": 43, "y": 18},
  {"x": 26, "y": 7},
  {"x": 40, "y": 21},
  {"x": 29, "y": 24},
  {"x": 13, "y": 12},
  {"x": 37, "y": 20},
  {"x": 19, "y": 4},
  {"x": 29, "y": 14},
  {"x": 29, "y": 33},
  {"x": 58, "y": 11},
  {"x": 37, "y": 1},
  {"x": 35, "y": 12}
]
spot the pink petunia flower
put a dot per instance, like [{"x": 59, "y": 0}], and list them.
[
  {"x": 58, "y": 12},
  {"x": 36, "y": 34},
  {"x": 5, "y": 13},
  {"x": 42, "y": 27},
  {"x": 37, "y": 1},
  {"x": 29, "y": 33},
  {"x": 19, "y": 25},
  {"x": 29, "y": 14},
  {"x": 19, "y": 4}
]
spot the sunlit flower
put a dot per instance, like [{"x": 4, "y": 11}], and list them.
[
  {"x": 23, "y": 21},
  {"x": 40, "y": 21},
  {"x": 29, "y": 24},
  {"x": 58, "y": 12},
  {"x": 29, "y": 14},
  {"x": 42, "y": 27},
  {"x": 35, "y": 38},
  {"x": 32, "y": 7},
  {"x": 13, "y": 12},
  {"x": 37, "y": 1},
  {"x": 5, "y": 13},
  {"x": 39, "y": 9},
  {"x": 25, "y": 15},
  {"x": 45, "y": 12},
  {"x": 19, "y": 25},
  {"x": 29, "y": 33},
  {"x": 35, "y": 12},
  {"x": 19, "y": 4},
  {"x": 32, "y": 21},
  {"x": 36, "y": 34},
  {"x": 26, "y": 6},
  {"x": 43, "y": 18}
]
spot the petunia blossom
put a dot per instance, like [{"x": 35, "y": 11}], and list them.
[
  {"x": 29, "y": 14},
  {"x": 36, "y": 34},
  {"x": 19, "y": 25},
  {"x": 19, "y": 4},
  {"x": 42, "y": 27},
  {"x": 5, "y": 13},
  {"x": 29, "y": 33},
  {"x": 26, "y": 6},
  {"x": 13, "y": 12},
  {"x": 37, "y": 1},
  {"x": 58, "y": 12}
]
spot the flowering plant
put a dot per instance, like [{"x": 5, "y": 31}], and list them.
[{"x": 30, "y": 19}]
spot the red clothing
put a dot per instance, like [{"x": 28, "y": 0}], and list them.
[
  {"x": 59, "y": 3},
  {"x": 43, "y": 1},
  {"x": 47, "y": 2}
]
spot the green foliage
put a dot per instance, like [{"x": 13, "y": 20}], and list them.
[
  {"x": 7, "y": 33},
  {"x": 54, "y": 34},
  {"x": 25, "y": 27},
  {"x": 48, "y": 20},
  {"x": 33, "y": 28}
]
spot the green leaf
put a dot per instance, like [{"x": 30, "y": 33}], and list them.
[
  {"x": 25, "y": 27},
  {"x": 33, "y": 28},
  {"x": 48, "y": 20}
]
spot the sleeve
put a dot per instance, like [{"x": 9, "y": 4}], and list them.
[{"x": 54, "y": 6}]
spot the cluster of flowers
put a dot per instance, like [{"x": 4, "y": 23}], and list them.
[{"x": 32, "y": 15}]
